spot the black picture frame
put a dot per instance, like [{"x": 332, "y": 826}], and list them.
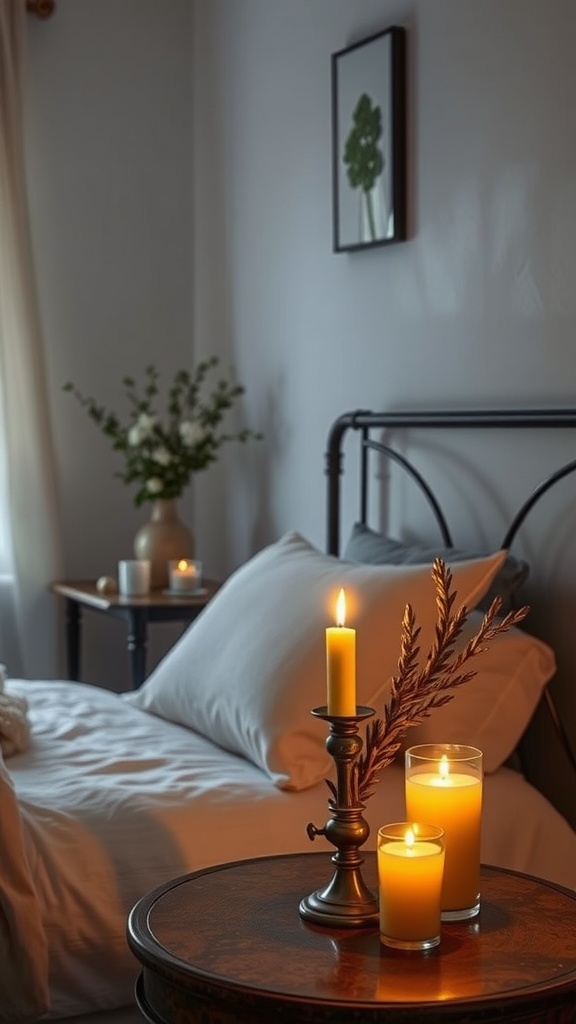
[{"x": 369, "y": 142}]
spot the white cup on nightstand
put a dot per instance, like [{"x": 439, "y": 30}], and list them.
[{"x": 134, "y": 577}]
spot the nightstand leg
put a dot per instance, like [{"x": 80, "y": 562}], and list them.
[
  {"x": 137, "y": 644},
  {"x": 73, "y": 618}
]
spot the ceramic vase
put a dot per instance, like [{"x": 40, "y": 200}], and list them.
[{"x": 163, "y": 538}]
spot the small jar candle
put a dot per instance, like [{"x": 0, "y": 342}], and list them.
[
  {"x": 185, "y": 575},
  {"x": 410, "y": 868}
]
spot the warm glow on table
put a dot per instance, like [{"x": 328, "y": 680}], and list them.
[
  {"x": 341, "y": 663},
  {"x": 451, "y": 799},
  {"x": 410, "y": 883}
]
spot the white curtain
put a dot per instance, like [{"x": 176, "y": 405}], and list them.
[{"x": 30, "y": 548}]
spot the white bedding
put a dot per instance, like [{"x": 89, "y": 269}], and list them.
[{"x": 148, "y": 800}]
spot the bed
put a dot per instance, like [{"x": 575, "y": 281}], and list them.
[{"x": 217, "y": 757}]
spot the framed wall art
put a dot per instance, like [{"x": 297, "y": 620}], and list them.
[{"x": 369, "y": 142}]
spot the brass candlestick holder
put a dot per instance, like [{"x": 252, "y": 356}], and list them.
[{"x": 346, "y": 902}]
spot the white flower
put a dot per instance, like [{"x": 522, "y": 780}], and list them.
[
  {"x": 154, "y": 485},
  {"x": 162, "y": 456},
  {"x": 163, "y": 449},
  {"x": 141, "y": 430},
  {"x": 191, "y": 432}
]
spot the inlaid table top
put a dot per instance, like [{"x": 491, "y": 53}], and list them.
[{"x": 228, "y": 946}]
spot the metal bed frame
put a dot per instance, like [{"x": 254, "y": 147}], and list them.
[{"x": 366, "y": 423}]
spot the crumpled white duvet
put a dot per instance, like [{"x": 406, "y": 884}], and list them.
[
  {"x": 14, "y": 725},
  {"x": 113, "y": 802}
]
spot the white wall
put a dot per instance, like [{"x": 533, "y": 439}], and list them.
[
  {"x": 110, "y": 147},
  {"x": 478, "y": 308},
  {"x": 172, "y": 216}
]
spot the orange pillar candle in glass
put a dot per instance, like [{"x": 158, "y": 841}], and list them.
[
  {"x": 444, "y": 787},
  {"x": 341, "y": 664},
  {"x": 410, "y": 868}
]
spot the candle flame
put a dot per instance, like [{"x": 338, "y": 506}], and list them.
[
  {"x": 341, "y": 608},
  {"x": 409, "y": 837},
  {"x": 183, "y": 564},
  {"x": 444, "y": 767}
]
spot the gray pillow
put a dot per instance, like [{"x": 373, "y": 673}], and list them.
[{"x": 373, "y": 548}]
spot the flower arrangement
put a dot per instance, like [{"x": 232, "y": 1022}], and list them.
[
  {"x": 419, "y": 687},
  {"x": 161, "y": 454}
]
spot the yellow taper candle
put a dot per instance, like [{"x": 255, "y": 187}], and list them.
[
  {"x": 449, "y": 794},
  {"x": 341, "y": 663}
]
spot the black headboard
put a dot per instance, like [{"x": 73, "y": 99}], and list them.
[{"x": 367, "y": 424}]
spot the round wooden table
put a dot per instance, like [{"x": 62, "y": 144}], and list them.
[{"x": 228, "y": 946}]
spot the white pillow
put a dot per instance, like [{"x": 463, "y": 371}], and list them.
[
  {"x": 492, "y": 710},
  {"x": 248, "y": 671}
]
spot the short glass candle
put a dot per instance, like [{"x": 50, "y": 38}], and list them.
[
  {"x": 444, "y": 785},
  {"x": 185, "y": 575},
  {"x": 410, "y": 869}
]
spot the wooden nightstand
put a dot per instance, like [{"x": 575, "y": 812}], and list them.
[
  {"x": 137, "y": 612},
  {"x": 227, "y": 946}
]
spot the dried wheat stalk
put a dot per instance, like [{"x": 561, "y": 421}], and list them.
[{"x": 416, "y": 690}]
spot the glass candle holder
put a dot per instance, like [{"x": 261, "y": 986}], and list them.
[
  {"x": 410, "y": 870},
  {"x": 444, "y": 786},
  {"x": 185, "y": 575}
]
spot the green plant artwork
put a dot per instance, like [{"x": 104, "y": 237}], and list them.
[{"x": 362, "y": 155}]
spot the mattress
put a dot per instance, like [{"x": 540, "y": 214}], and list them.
[{"x": 114, "y": 802}]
